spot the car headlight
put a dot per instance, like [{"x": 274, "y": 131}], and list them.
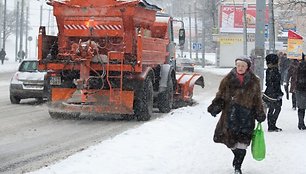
[{"x": 15, "y": 77}]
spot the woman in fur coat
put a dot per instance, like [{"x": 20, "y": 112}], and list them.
[{"x": 239, "y": 100}]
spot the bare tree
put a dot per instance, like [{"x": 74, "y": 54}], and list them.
[
  {"x": 11, "y": 24},
  {"x": 288, "y": 6}
]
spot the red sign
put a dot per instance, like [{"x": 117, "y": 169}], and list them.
[
  {"x": 231, "y": 16},
  {"x": 294, "y": 35}
]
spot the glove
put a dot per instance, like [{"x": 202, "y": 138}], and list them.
[
  {"x": 214, "y": 110},
  {"x": 261, "y": 117}
]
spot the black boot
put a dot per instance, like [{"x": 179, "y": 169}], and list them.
[
  {"x": 301, "y": 115},
  {"x": 293, "y": 101},
  {"x": 238, "y": 159},
  {"x": 272, "y": 118}
]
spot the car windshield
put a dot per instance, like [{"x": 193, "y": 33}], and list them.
[{"x": 28, "y": 66}]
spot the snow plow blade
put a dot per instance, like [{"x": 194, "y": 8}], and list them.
[
  {"x": 185, "y": 85},
  {"x": 67, "y": 100}
]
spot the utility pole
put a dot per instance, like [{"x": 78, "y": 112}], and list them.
[
  {"x": 41, "y": 13},
  {"x": 49, "y": 19},
  {"x": 260, "y": 40},
  {"x": 245, "y": 32},
  {"x": 4, "y": 25},
  {"x": 1, "y": 17},
  {"x": 21, "y": 28},
  {"x": 27, "y": 31},
  {"x": 271, "y": 28},
  {"x": 196, "y": 29},
  {"x": 17, "y": 28},
  {"x": 190, "y": 38},
  {"x": 203, "y": 34}
]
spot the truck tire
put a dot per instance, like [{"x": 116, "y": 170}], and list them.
[
  {"x": 128, "y": 117},
  {"x": 144, "y": 101},
  {"x": 64, "y": 115},
  {"x": 14, "y": 99},
  {"x": 165, "y": 98}
]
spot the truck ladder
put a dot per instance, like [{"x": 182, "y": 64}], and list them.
[{"x": 115, "y": 57}]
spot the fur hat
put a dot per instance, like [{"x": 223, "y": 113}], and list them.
[
  {"x": 245, "y": 59},
  {"x": 272, "y": 59}
]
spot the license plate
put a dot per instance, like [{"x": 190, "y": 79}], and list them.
[{"x": 55, "y": 80}]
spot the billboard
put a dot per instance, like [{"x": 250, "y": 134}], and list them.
[
  {"x": 295, "y": 45},
  {"x": 231, "y": 18}
]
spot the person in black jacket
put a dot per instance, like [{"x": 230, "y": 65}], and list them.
[
  {"x": 2, "y": 55},
  {"x": 273, "y": 93},
  {"x": 301, "y": 92}
]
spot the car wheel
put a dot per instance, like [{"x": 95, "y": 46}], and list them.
[{"x": 14, "y": 99}]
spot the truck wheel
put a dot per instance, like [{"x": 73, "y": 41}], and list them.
[
  {"x": 128, "y": 117},
  {"x": 144, "y": 101},
  {"x": 14, "y": 99},
  {"x": 64, "y": 115},
  {"x": 40, "y": 100},
  {"x": 165, "y": 98}
]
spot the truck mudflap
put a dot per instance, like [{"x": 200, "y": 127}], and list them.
[
  {"x": 185, "y": 85},
  {"x": 99, "y": 102}
]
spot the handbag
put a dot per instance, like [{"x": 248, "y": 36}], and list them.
[{"x": 258, "y": 146}]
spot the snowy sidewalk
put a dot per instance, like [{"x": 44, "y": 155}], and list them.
[{"x": 181, "y": 143}]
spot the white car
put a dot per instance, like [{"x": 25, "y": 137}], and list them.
[
  {"x": 28, "y": 82},
  {"x": 185, "y": 64}
]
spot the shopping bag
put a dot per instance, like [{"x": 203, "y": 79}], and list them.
[{"x": 258, "y": 146}]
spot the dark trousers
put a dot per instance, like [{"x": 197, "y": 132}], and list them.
[
  {"x": 301, "y": 115},
  {"x": 293, "y": 100},
  {"x": 273, "y": 113},
  {"x": 2, "y": 61}
]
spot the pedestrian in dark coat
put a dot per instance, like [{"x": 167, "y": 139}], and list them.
[
  {"x": 239, "y": 100},
  {"x": 2, "y": 55},
  {"x": 291, "y": 79},
  {"x": 273, "y": 93},
  {"x": 301, "y": 93},
  {"x": 284, "y": 66}
]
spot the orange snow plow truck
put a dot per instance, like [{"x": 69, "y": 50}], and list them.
[{"x": 112, "y": 57}]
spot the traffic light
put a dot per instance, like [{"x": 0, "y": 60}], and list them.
[{"x": 181, "y": 36}]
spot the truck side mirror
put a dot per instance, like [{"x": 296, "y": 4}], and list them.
[{"x": 181, "y": 36}]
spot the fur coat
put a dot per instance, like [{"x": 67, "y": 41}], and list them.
[{"x": 248, "y": 105}]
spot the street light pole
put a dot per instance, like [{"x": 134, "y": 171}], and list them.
[
  {"x": 196, "y": 30},
  {"x": 245, "y": 43},
  {"x": 203, "y": 34},
  {"x": 271, "y": 28},
  {"x": 41, "y": 13},
  {"x": 190, "y": 38},
  {"x": 17, "y": 28},
  {"x": 260, "y": 40},
  {"x": 4, "y": 25},
  {"x": 21, "y": 29}
]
